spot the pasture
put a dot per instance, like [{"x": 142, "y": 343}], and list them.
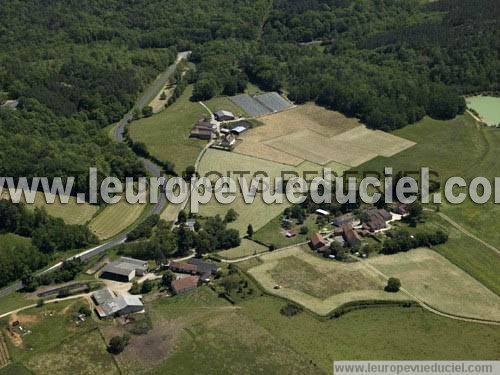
[
  {"x": 257, "y": 213},
  {"x": 71, "y": 212},
  {"x": 470, "y": 151},
  {"x": 430, "y": 277},
  {"x": 382, "y": 333},
  {"x": 309, "y": 132},
  {"x": 57, "y": 343},
  {"x": 317, "y": 284},
  {"x": 272, "y": 233},
  {"x": 200, "y": 325},
  {"x": 247, "y": 248},
  {"x": 166, "y": 134},
  {"x": 224, "y": 103}
]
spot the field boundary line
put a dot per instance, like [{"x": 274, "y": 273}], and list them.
[
  {"x": 467, "y": 233},
  {"x": 427, "y": 306}
]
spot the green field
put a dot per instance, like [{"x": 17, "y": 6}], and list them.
[
  {"x": 223, "y": 103},
  {"x": 57, "y": 344},
  {"x": 272, "y": 232},
  {"x": 166, "y": 134},
  {"x": 71, "y": 213},
  {"x": 488, "y": 108},
  {"x": 199, "y": 332},
  {"x": 470, "y": 255},
  {"x": 257, "y": 213},
  {"x": 457, "y": 147},
  {"x": 432, "y": 278},
  {"x": 116, "y": 218},
  {"x": 246, "y": 248},
  {"x": 318, "y": 284},
  {"x": 384, "y": 333}
]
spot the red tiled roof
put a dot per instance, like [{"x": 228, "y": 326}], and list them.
[
  {"x": 185, "y": 283},
  {"x": 317, "y": 240},
  {"x": 183, "y": 267}
]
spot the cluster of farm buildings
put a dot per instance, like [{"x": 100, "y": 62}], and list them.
[
  {"x": 189, "y": 275},
  {"x": 349, "y": 228},
  {"x": 224, "y": 127}
]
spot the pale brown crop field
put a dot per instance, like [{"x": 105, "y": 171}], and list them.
[
  {"x": 312, "y": 133},
  {"x": 442, "y": 285},
  {"x": 317, "y": 284}
]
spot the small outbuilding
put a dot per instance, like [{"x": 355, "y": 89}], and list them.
[
  {"x": 224, "y": 115},
  {"x": 238, "y": 130}
]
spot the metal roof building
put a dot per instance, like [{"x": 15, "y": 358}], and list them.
[{"x": 108, "y": 305}]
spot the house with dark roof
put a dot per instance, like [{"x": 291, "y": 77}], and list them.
[
  {"x": 109, "y": 305},
  {"x": 348, "y": 218},
  {"x": 317, "y": 241},
  {"x": 224, "y": 115},
  {"x": 185, "y": 284},
  {"x": 375, "y": 219},
  {"x": 183, "y": 267},
  {"x": 203, "y": 267},
  {"x": 350, "y": 236},
  {"x": 203, "y": 129}
]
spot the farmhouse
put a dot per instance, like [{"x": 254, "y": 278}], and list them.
[
  {"x": 185, "y": 284},
  {"x": 224, "y": 115},
  {"x": 196, "y": 266},
  {"x": 375, "y": 219},
  {"x": 203, "y": 129},
  {"x": 350, "y": 236},
  {"x": 124, "y": 270},
  {"x": 317, "y": 241},
  {"x": 183, "y": 267},
  {"x": 109, "y": 305},
  {"x": 205, "y": 267}
]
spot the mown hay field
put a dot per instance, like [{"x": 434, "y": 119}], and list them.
[
  {"x": 442, "y": 285},
  {"x": 312, "y": 133},
  {"x": 257, "y": 213},
  {"x": 115, "y": 218},
  {"x": 71, "y": 212},
  {"x": 166, "y": 134},
  {"x": 317, "y": 284}
]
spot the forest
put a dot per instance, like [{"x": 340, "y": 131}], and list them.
[{"x": 76, "y": 67}]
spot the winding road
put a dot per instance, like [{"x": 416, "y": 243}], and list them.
[{"x": 146, "y": 97}]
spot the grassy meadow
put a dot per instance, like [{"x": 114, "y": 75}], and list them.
[
  {"x": 223, "y": 103},
  {"x": 458, "y": 147},
  {"x": 166, "y": 134},
  {"x": 383, "y": 333},
  {"x": 57, "y": 343},
  {"x": 71, "y": 213}
]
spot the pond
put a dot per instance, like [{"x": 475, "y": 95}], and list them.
[{"x": 488, "y": 108}]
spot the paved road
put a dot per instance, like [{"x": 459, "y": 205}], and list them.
[
  {"x": 148, "y": 95},
  {"x": 154, "y": 169}
]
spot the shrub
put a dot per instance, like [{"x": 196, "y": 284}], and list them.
[
  {"x": 393, "y": 285},
  {"x": 291, "y": 310}
]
